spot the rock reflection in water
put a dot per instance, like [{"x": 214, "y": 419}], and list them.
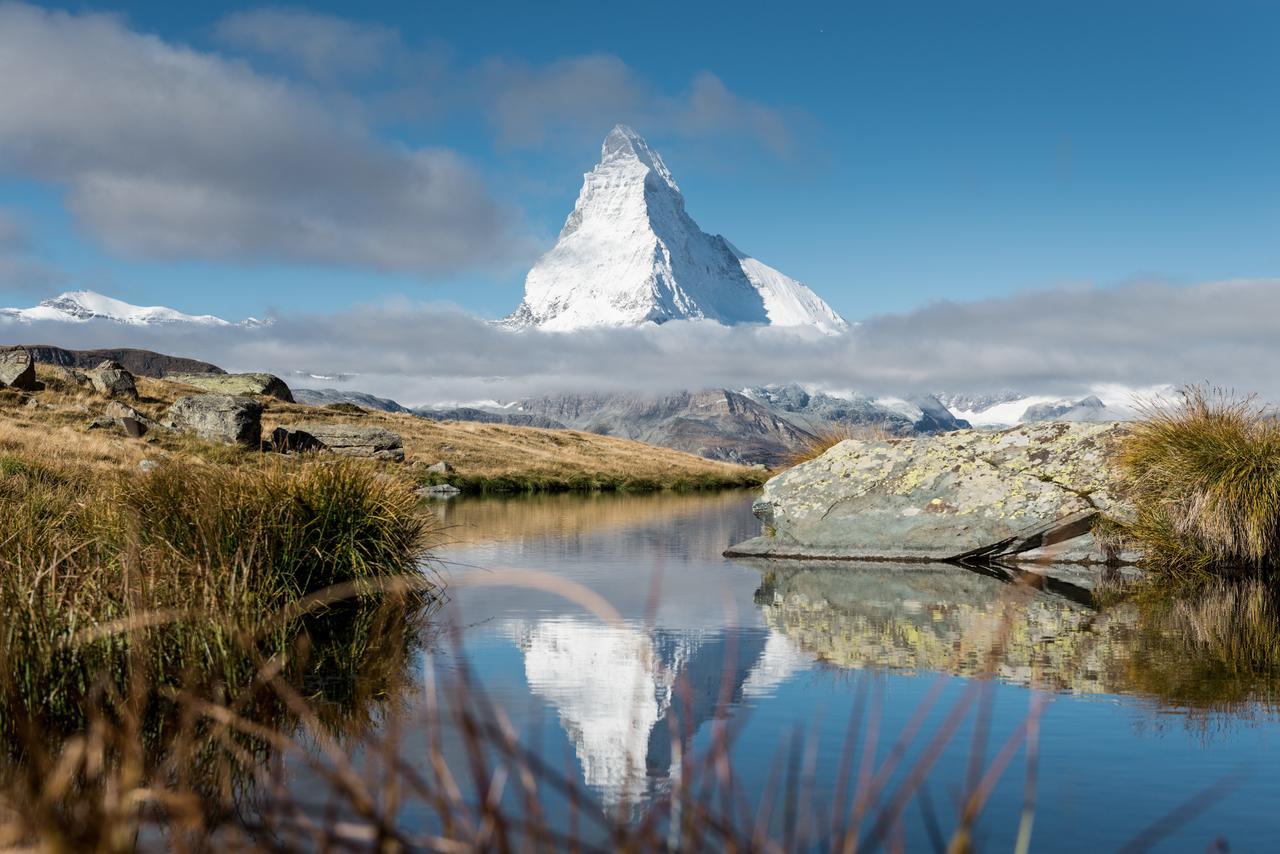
[
  {"x": 938, "y": 617},
  {"x": 1212, "y": 651}
]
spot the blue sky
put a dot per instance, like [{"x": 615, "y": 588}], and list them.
[{"x": 887, "y": 154}]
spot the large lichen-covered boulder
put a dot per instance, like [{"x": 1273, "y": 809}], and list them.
[
  {"x": 110, "y": 378},
  {"x": 266, "y": 385},
  {"x": 18, "y": 370},
  {"x": 349, "y": 440},
  {"x": 218, "y": 418},
  {"x": 1034, "y": 489}
]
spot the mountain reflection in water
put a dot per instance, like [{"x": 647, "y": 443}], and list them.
[{"x": 758, "y": 642}]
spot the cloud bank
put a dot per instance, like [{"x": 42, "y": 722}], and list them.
[
  {"x": 1055, "y": 342},
  {"x": 170, "y": 153}
]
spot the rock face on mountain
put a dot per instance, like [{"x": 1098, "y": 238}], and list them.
[
  {"x": 629, "y": 254},
  {"x": 485, "y": 416},
  {"x": 141, "y": 363},
  {"x": 266, "y": 385},
  {"x": 817, "y": 412},
  {"x": 1086, "y": 409},
  {"x": 1030, "y": 492},
  {"x": 719, "y": 425},
  {"x": 326, "y": 396}
]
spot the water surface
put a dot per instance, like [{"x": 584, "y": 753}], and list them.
[{"x": 1144, "y": 713}]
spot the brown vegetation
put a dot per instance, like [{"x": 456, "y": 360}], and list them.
[
  {"x": 479, "y": 453},
  {"x": 1203, "y": 476}
]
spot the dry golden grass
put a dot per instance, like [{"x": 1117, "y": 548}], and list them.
[
  {"x": 499, "y": 450},
  {"x": 1203, "y": 475},
  {"x": 480, "y": 453}
]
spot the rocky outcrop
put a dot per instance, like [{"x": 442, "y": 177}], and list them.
[
  {"x": 110, "y": 378},
  {"x": 1030, "y": 492},
  {"x": 266, "y": 385},
  {"x": 218, "y": 418},
  {"x": 348, "y": 440},
  {"x": 18, "y": 370},
  {"x": 140, "y": 363}
]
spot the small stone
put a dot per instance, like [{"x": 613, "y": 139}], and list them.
[
  {"x": 439, "y": 490},
  {"x": 133, "y": 428},
  {"x": 441, "y": 467},
  {"x": 148, "y": 465}
]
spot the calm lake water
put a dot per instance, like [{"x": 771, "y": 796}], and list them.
[{"x": 1144, "y": 713}]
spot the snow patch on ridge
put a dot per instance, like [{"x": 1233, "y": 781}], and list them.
[{"x": 85, "y": 306}]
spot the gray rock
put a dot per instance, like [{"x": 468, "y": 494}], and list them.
[
  {"x": 267, "y": 385},
  {"x": 131, "y": 421},
  {"x": 218, "y": 418},
  {"x": 441, "y": 467},
  {"x": 439, "y": 490},
  {"x": 287, "y": 440},
  {"x": 148, "y": 465},
  {"x": 18, "y": 370},
  {"x": 111, "y": 379},
  {"x": 349, "y": 440},
  {"x": 1034, "y": 489}
]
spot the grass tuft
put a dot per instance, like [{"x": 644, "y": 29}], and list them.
[{"x": 1203, "y": 476}]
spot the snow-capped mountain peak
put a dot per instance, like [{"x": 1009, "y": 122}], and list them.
[
  {"x": 629, "y": 254},
  {"x": 85, "y": 306},
  {"x": 623, "y": 143}
]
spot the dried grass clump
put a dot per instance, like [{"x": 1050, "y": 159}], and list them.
[
  {"x": 1204, "y": 479},
  {"x": 192, "y": 560}
]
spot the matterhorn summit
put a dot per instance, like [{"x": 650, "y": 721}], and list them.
[{"x": 629, "y": 254}]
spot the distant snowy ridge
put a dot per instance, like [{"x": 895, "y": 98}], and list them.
[
  {"x": 86, "y": 306},
  {"x": 1006, "y": 408},
  {"x": 629, "y": 254}
]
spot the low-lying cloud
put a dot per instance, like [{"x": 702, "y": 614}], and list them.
[{"x": 1056, "y": 342}]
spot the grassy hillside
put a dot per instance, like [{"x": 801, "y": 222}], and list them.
[{"x": 485, "y": 457}]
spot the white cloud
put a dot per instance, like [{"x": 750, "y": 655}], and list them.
[
  {"x": 323, "y": 46},
  {"x": 168, "y": 152},
  {"x": 532, "y": 105},
  {"x": 1056, "y": 342}
]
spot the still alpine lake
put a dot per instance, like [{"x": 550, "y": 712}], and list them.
[{"x": 1158, "y": 727}]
